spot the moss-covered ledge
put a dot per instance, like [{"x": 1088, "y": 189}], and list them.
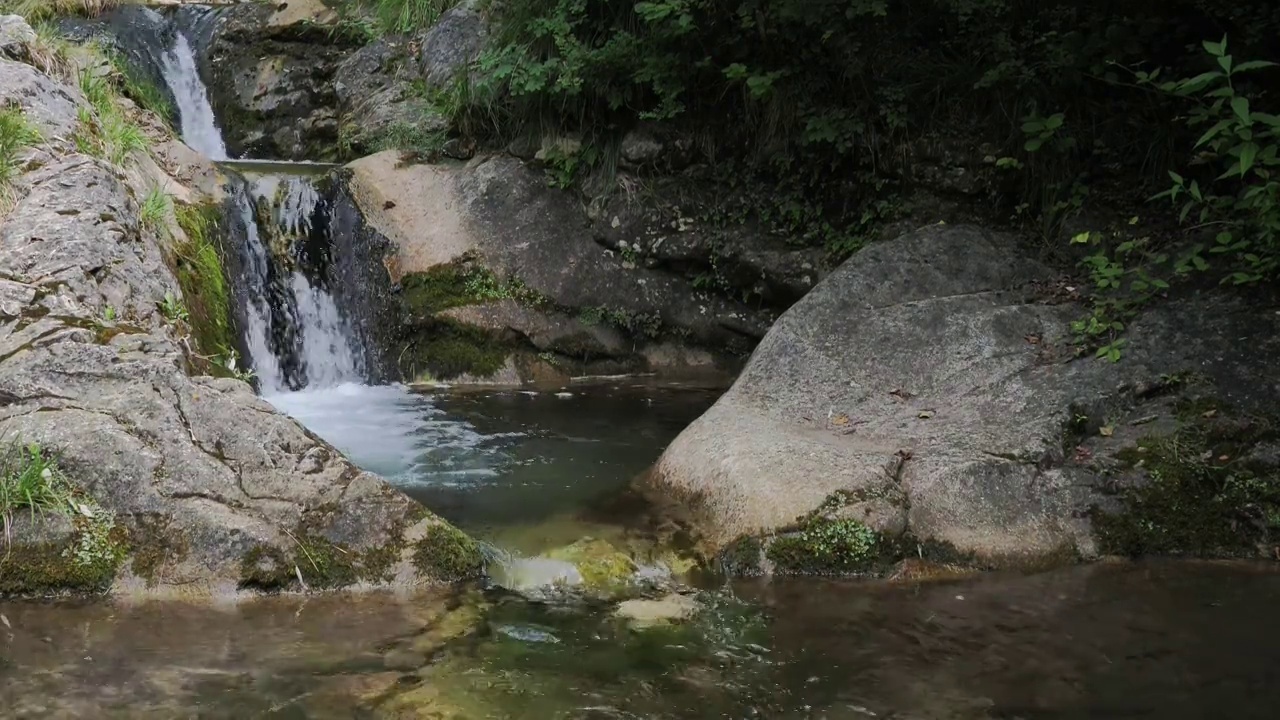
[{"x": 1205, "y": 485}]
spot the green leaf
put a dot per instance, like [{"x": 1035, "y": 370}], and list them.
[
  {"x": 1225, "y": 62},
  {"x": 1254, "y": 65},
  {"x": 1209, "y": 135},
  {"x": 1033, "y": 144},
  {"x": 1161, "y": 284},
  {"x": 1080, "y": 238},
  {"x": 1240, "y": 105},
  {"x": 1199, "y": 82},
  {"x": 1176, "y": 177},
  {"x": 1248, "y": 154},
  {"x": 1214, "y": 48}
]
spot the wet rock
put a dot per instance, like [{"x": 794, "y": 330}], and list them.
[
  {"x": 922, "y": 388},
  {"x": 605, "y": 570},
  {"x": 272, "y": 86},
  {"x": 647, "y": 613},
  {"x": 488, "y": 261},
  {"x": 200, "y": 486},
  {"x": 452, "y": 44}
]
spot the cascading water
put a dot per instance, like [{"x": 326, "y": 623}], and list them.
[{"x": 199, "y": 130}]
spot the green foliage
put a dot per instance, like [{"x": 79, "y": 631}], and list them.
[
  {"x": 173, "y": 308},
  {"x": 31, "y": 482},
  {"x": 1240, "y": 195},
  {"x": 197, "y": 262},
  {"x": 37, "y": 10},
  {"x": 405, "y": 16},
  {"x": 155, "y": 209},
  {"x": 104, "y": 131},
  {"x": 826, "y": 547},
  {"x": 16, "y": 133},
  {"x": 139, "y": 88}
]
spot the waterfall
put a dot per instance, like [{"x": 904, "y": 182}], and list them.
[
  {"x": 199, "y": 130},
  {"x": 296, "y": 336}
]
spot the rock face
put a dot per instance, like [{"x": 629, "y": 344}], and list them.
[
  {"x": 270, "y": 78},
  {"x": 452, "y": 44},
  {"x": 923, "y": 389},
  {"x": 489, "y": 273},
  {"x": 187, "y": 484},
  {"x": 377, "y": 98}
]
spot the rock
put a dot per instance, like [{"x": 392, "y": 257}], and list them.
[
  {"x": 403, "y": 660},
  {"x": 190, "y": 485},
  {"x": 605, "y": 570},
  {"x": 647, "y": 613},
  {"x": 137, "y": 33},
  {"x": 921, "y": 389},
  {"x": 272, "y": 86},
  {"x": 377, "y": 99},
  {"x": 640, "y": 148},
  {"x": 483, "y": 262},
  {"x": 741, "y": 261},
  {"x": 15, "y": 35},
  {"x": 452, "y": 44}
]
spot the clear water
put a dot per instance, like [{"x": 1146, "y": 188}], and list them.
[
  {"x": 519, "y": 468},
  {"x": 1165, "y": 640},
  {"x": 199, "y": 128}
]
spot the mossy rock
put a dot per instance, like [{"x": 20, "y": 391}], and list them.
[
  {"x": 449, "y": 349},
  {"x": 448, "y": 554},
  {"x": 826, "y": 547},
  {"x": 603, "y": 567},
  {"x": 51, "y": 568},
  {"x": 1199, "y": 491}
]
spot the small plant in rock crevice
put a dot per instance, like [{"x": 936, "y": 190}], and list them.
[{"x": 155, "y": 208}]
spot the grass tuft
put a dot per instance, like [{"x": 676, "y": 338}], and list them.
[
  {"x": 155, "y": 208},
  {"x": 30, "y": 482},
  {"x": 37, "y": 10},
  {"x": 16, "y": 133},
  {"x": 406, "y": 16},
  {"x": 198, "y": 265}
]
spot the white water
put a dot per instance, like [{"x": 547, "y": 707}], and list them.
[{"x": 199, "y": 130}]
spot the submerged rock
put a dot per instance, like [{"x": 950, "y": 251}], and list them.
[
  {"x": 647, "y": 613},
  {"x": 177, "y": 484},
  {"x": 923, "y": 399}
]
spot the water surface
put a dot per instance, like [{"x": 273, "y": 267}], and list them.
[{"x": 1157, "y": 640}]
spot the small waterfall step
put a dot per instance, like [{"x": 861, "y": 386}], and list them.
[{"x": 277, "y": 167}]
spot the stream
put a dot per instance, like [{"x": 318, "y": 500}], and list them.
[{"x": 525, "y": 471}]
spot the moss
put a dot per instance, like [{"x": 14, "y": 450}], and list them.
[
  {"x": 51, "y": 568},
  {"x": 448, "y": 554},
  {"x": 156, "y": 543},
  {"x": 742, "y": 556},
  {"x": 604, "y": 568},
  {"x": 266, "y": 568},
  {"x": 826, "y": 547},
  {"x": 455, "y": 284},
  {"x": 197, "y": 262},
  {"x": 449, "y": 349},
  {"x": 1201, "y": 497}
]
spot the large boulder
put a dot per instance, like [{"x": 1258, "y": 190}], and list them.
[
  {"x": 928, "y": 390},
  {"x": 450, "y": 46},
  {"x": 489, "y": 273},
  {"x": 379, "y": 101},
  {"x": 158, "y": 481}
]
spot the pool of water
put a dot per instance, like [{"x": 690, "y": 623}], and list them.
[
  {"x": 1157, "y": 640},
  {"x": 518, "y": 468}
]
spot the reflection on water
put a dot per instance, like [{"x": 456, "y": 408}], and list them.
[
  {"x": 1161, "y": 640},
  {"x": 492, "y": 460}
]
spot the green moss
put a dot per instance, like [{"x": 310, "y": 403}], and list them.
[
  {"x": 266, "y": 568},
  {"x": 52, "y": 568},
  {"x": 452, "y": 285},
  {"x": 448, "y": 349},
  {"x": 448, "y": 554},
  {"x": 826, "y": 547},
  {"x": 197, "y": 261},
  {"x": 742, "y": 556},
  {"x": 1201, "y": 497},
  {"x": 604, "y": 568}
]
